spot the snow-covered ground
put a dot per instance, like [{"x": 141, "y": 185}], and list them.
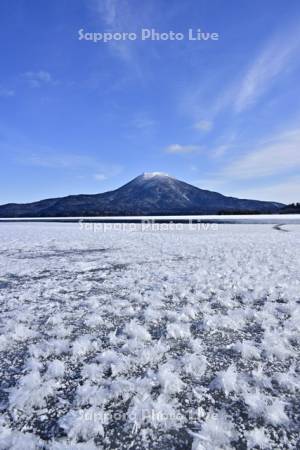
[{"x": 179, "y": 339}]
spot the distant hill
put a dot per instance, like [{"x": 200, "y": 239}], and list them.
[
  {"x": 148, "y": 194},
  {"x": 293, "y": 208}
]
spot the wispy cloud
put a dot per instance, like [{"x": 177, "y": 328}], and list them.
[
  {"x": 220, "y": 150},
  {"x": 108, "y": 9},
  {"x": 75, "y": 162},
  {"x": 273, "y": 60},
  {"x": 118, "y": 17},
  {"x": 286, "y": 191},
  {"x": 182, "y": 149},
  {"x": 277, "y": 155},
  {"x": 39, "y": 78},
  {"x": 220, "y": 94},
  {"x": 204, "y": 125}
]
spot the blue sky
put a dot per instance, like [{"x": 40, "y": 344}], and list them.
[{"x": 84, "y": 117}]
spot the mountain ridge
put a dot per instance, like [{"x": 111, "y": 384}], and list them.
[{"x": 151, "y": 193}]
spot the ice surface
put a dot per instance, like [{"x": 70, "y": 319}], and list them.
[{"x": 181, "y": 339}]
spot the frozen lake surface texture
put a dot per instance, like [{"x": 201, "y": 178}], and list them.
[{"x": 131, "y": 339}]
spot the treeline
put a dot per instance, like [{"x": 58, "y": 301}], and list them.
[{"x": 293, "y": 208}]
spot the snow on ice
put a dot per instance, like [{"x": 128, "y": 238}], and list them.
[{"x": 182, "y": 339}]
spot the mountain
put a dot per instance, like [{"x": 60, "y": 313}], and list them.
[{"x": 148, "y": 194}]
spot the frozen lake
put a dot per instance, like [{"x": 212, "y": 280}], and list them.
[
  {"x": 243, "y": 218},
  {"x": 149, "y": 339}
]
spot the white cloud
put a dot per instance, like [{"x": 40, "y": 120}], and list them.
[
  {"x": 119, "y": 17},
  {"x": 220, "y": 150},
  {"x": 181, "y": 149},
  {"x": 126, "y": 16},
  {"x": 287, "y": 191},
  {"x": 283, "y": 191},
  {"x": 75, "y": 162},
  {"x": 278, "y": 155},
  {"x": 108, "y": 9},
  {"x": 266, "y": 173},
  {"x": 204, "y": 125},
  {"x": 214, "y": 95},
  {"x": 273, "y": 60},
  {"x": 37, "y": 79}
]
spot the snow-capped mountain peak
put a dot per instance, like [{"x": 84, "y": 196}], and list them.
[{"x": 147, "y": 175}]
